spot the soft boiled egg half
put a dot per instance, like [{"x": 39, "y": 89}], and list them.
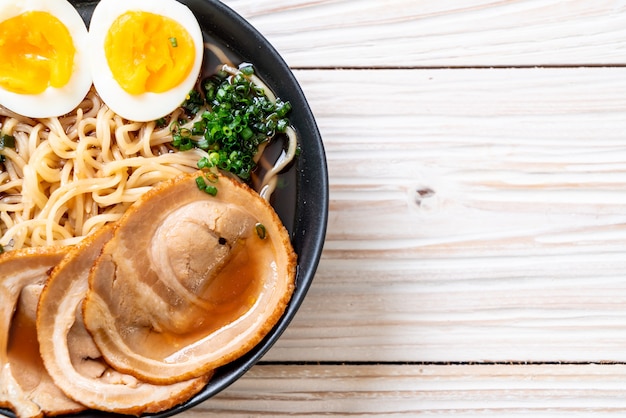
[
  {"x": 145, "y": 56},
  {"x": 44, "y": 65}
]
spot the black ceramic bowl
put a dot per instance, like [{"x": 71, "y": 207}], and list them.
[{"x": 301, "y": 201}]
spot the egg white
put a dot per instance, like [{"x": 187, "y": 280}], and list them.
[
  {"x": 52, "y": 101},
  {"x": 147, "y": 106}
]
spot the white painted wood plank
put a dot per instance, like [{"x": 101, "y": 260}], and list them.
[
  {"x": 450, "y": 390},
  {"x": 476, "y": 215},
  {"x": 328, "y": 33}
]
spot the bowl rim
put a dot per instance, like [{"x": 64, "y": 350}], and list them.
[{"x": 310, "y": 225}]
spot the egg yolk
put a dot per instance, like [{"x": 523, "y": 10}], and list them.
[
  {"x": 36, "y": 51},
  {"x": 147, "y": 52}
]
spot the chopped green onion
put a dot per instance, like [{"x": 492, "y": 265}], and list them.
[
  {"x": 207, "y": 188},
  {"x": 260, "y": 230},
  {"x": 173, "y": 42},
  {"x": 246, "y": 133},
  {"x": 161, "y": 122},
  {"x": 193, "y": 103},
  {"x": 281, "y": 125},
  {"x": 282, "y": 108},
  {"x": 238, "y": 117},
  {"x": 202, "y": 144},
  {"x": 247, "y": 69},
  {"x": 212, "y": 190},
  {"x": 203, "y": 163},
  {"x": 212, "y": 177},
  {"x": 7, "y": 141},
  {"x": 200, "y": 183}
]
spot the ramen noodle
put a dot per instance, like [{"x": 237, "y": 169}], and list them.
[{"x": 68, "y": 176}]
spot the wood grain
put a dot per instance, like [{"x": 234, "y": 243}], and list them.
[
  {"x": 478, "y": 216},
  {"x": 390, "y": 33},
  {"x": 410, "y": 390}
]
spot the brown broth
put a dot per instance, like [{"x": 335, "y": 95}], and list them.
[
  {"x": 231, "y": 294},
  {"x": 23, "y": 350},
  {"x": 234, "y": 289}
]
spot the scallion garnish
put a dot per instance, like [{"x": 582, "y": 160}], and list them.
[
  {"x": 7, "y": 141},
  {"x": 207, "y": 188},
  {"x": 260, "y": 230},
  {"x": 247, "y": 69},
  {"x": 161, "y": 122},
  {"x": 239, "y": 118},
  {"x": 173, "y": 42},
  {"x": 212, "y": 190},
  {"x": 193, "y": 103}
]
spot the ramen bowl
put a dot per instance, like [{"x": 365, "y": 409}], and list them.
[{"x": 300, "y": 200}]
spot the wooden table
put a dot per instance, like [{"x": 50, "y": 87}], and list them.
[{"x": 475, "y": 258}]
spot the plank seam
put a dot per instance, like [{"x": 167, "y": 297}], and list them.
[
  {"x": 455, "y": 67},
  {"x": 439, "y": 363}
]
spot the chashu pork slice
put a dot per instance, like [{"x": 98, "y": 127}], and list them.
[
  {"x": 25, "y": 386},
  {"x": 189, "y": 281},
  {"x": 72, "y": 358}
]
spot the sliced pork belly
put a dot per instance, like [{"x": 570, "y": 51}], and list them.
[
  {"x": 72, "y": 358},
  {"x": 25, "y": 386},
  {"x": 189, "y": 281}
]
